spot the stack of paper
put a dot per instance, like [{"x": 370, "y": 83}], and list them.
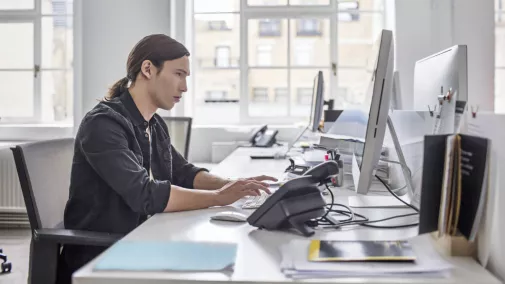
[{"x": 429, "y": 263}]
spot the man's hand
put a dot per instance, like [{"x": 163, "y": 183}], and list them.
[
  {"x": 262, "y": 178},
  {"x": 235, "y": 190}
]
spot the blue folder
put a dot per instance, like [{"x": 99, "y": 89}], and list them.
[{"x": 168, "y": 256}]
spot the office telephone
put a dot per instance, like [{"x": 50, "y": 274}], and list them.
[
  {"x": 6, "y": 266},
  {"x": 263, "y": 137},
  {"x": 297, "y": 201}
]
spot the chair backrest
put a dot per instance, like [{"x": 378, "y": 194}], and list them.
[
  {"x": 44, "y": 174},
  {"x": 179, "y": 129}
]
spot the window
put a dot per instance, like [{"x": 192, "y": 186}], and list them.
[
  {"x": 222, "y": 56},
  {"x": 260, "y": 94},
  {"x": 308, "y": 27},
  {"x": 218, "y": 26},
  {"x": 216, "y": 96},
  {"x": 269, "y": 27},
  {"x": 304, "y": 95},
  {"x": 36, "y": 67},
  {"x": 264, "y": 55},
  {"x": 270, "y": 57},
  {"x": 348, "y": 11},
  {"x": 302, "y": 55},
  {"x": 500, "y": 56},
  {"x": 281, "y": 95}
]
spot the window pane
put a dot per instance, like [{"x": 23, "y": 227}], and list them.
[
  {"x": 355, "y": 27},
  {"x": 216, "y": 6},
  {"x": 309, "y": 2},
  {"x": 267, "y": 2},
  {"x": 302, "y": 89},
  {"x": 18, "y": 53},
  {"x": 57, "y": 90},
  {"x": 499, "y": 5},
  {"x": 500, "y": 42},
  {"x": 57, "y": 42},
  {"x": 352, "y": 87},
  {"x": 57, "y": 7},
  {"x": 310, "y": 42},
  {"x": 217, "y": 35},
  {"x": 269, "y": 36},
  {"x": 262, "y": 86},
  {"x": 16, "y": 97},
  {"x": 216, "y": 96},
  {"x": 354, "y": 55},
  {"x": 367, "y": 5},
  {"x": 17, "y": 4}
]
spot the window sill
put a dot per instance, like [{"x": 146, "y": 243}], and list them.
[{"x": 30, "y": 132}]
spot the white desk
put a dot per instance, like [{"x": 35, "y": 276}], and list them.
[{"x": 258, "y": 258}]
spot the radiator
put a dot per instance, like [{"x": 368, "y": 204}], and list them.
[{"x": 12, "y": 205}]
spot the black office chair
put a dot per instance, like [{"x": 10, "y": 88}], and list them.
[
  {"x": 44, "y": 174},
  {"x": 179, "y": 129}
]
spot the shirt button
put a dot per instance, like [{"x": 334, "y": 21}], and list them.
[{"x": 145, "y": 123}]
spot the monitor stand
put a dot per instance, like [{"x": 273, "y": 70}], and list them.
[{"x": 367, "y": 201}]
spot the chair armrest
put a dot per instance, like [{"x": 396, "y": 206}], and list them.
[{"x": 76, "y": 237}]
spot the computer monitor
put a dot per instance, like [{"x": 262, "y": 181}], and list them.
[
  {"x": 396, "y": 100},
  {"x": 379, "y": 96},
  {"x": 437, "y": 73},
  {"x": 316, "y": 109}
]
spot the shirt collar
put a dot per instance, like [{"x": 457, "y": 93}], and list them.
[{"x": 131, "y": 107}]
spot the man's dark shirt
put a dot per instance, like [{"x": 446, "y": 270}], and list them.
[{"x": 110, "y": 186}]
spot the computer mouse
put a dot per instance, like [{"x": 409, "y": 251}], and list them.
[{"x": 229, "y": 216}]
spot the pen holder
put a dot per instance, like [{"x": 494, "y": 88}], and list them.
[{"x": 454, "y": 245}]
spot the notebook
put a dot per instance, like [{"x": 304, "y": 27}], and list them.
[
  {"x": 347, "y": 251},
  {"x": 168, "y": 256},
  {"x": 454, "y": 184}
]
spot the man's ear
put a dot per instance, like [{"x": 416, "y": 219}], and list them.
[{"x": 146, "y": 68}]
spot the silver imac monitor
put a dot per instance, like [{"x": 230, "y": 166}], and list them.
[
  {"x": 437, "y": 74},
  {"x": 396, "y": 100},
  {"x": 316, "y": 109},
  {"x": 378, "y": 98}
]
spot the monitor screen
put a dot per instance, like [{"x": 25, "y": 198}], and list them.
[
  {"x": 366, "y": 105},
  {"x": 316, "y": 109}
]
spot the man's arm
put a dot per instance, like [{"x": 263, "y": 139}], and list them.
[
  {"x": 182, "y": 199},
  {"x": 205, "y": 180}
]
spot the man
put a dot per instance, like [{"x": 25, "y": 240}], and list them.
[{"x": 125, "y": 168}]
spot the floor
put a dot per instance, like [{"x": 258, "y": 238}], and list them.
[{"x": 16, "y": 245}]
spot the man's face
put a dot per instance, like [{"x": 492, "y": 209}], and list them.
[{"x": 167, "y": 86}]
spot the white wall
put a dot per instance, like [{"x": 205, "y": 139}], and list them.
[
  {"x": 424, "y": 27},
  {"x": 110, "y": 29}
]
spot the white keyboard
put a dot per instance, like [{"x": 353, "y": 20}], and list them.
[{"x": 253, "y": 202}]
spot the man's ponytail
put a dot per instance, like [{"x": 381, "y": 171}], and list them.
[{"x": 117, "y": 89}]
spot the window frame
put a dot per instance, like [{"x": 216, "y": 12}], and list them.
[
  {"x": 217, "y": 59},
  {"x": 35, "y": 16},
  {"x": 246, "y": 13}
]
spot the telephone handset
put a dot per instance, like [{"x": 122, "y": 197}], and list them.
[
  {"x": 263, "y": 137},
  {"x": 296, "y": 202}
]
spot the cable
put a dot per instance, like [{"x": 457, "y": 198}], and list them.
[
  {"x": 394, "y": 195},
  {"x": 331, "y": 204},
  {"x": 324, "y": 222},
  {"x": 398, "y": 163}
]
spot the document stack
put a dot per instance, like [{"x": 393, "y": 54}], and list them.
[{"x": 297, "y": 262}]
